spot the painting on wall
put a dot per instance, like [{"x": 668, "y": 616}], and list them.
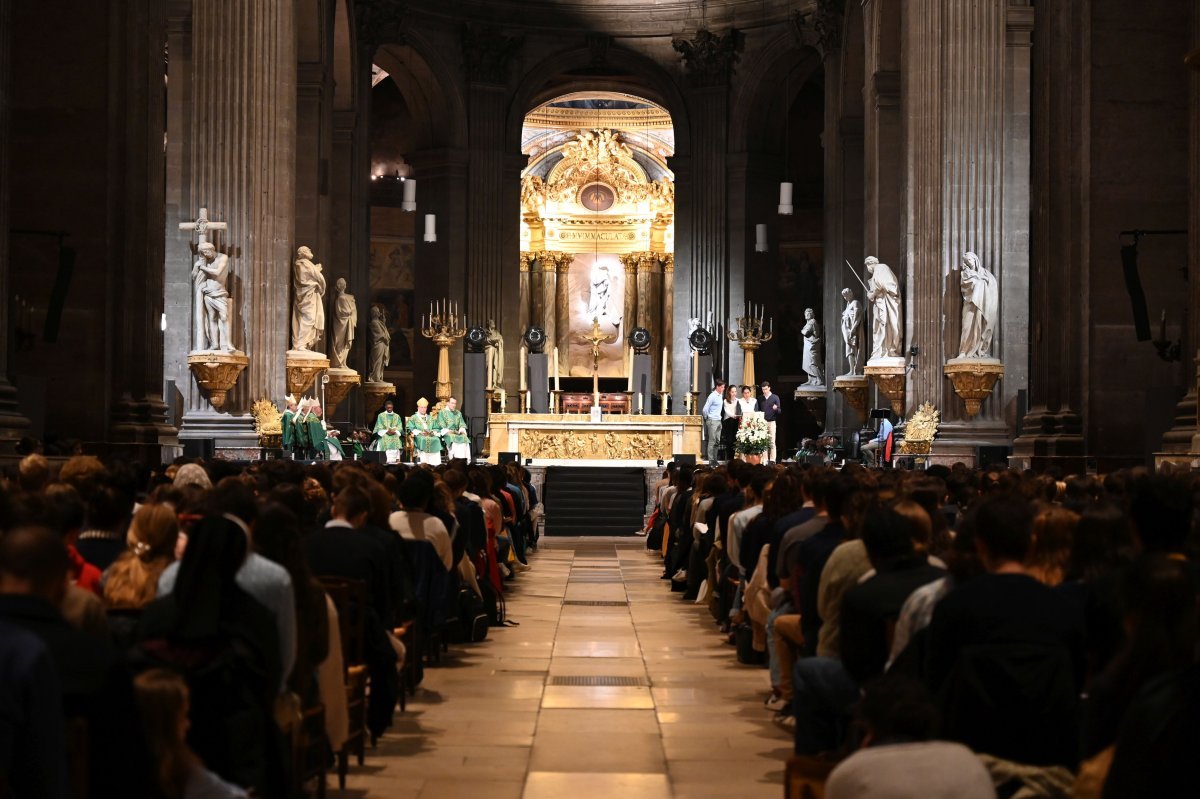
[
  {"x": 392, "y": 263},
  {"x": 797, "y": 286},
  {"x": 596, "y": 284}
]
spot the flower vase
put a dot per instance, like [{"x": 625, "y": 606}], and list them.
[{"x": 754, "y": 458}]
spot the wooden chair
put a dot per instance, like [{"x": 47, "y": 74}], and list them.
[
  {"x": 806, "y": 776},
  {"x": 350, "y": 599},
  {"x": 309, "y": 749}
]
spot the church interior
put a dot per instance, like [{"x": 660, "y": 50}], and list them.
[{"x": 977, "y": 220}]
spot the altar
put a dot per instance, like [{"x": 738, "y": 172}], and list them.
[{"x": 575, "y": 440}]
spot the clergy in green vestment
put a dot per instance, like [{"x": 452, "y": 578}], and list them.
[
  {"x": 427, "y": 444},
  {"x": 389, "y": 426},
  {"x": 313, "y": 428},
  {"x": 287, "y": 424},
  {"x": 453, "y": 429}
]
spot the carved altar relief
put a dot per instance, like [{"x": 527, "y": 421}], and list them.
[{"x": 609, "y": 445}]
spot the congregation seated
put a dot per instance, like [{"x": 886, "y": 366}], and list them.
[
  {"x": 210, "y": 587},
  {"x": 1044, "y": 628}
]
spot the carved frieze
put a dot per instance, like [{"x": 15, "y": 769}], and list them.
[{"x": 610, "y": 445}]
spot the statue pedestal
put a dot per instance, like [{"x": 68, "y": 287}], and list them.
[
  {"x": 814, "y": 397},
  {"x": 853, "y": 389},
  {"x": 303, "y": 366},
  {"x": 374, "y": 394},
  {"x": 217, "y": 372},
  {"x": 888, "y": 374},
  {"x": 338, "y": 387},
  {"x": 973, "y": 379}
]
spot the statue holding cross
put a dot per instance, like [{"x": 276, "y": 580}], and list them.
[{"x": 210, "y": 294}]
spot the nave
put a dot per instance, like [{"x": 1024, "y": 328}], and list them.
[{"x": 608, "y": 687}]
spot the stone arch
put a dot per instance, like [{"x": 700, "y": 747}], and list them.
[
  {"x": 438, "y": 109},
  {"x": 549, "y": 79},
  {"x": 771, "y": 84},
  {"x": 345, "y": 56}
]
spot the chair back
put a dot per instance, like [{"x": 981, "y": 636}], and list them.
[{"x": 350, "y": 599}]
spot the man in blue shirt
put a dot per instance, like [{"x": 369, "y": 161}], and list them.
[
  {"x": 771, "y": 409},
  {"x": 712, "y": 420},
  {"x": 880, "y": 441}
]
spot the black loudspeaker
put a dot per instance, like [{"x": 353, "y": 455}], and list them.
[
  {"x": 198, "y": 448},
  {"x": 684, "y": 459},
  {"x": 374, "y": 456},
  {"x": 989, "y": 456},
  {"x": 505, "y": 457}
]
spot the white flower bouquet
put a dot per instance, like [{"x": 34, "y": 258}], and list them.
[{"x": 752, "y": 437}]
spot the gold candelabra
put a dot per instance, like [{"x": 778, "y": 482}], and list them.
[
  {"x": 443, "y": 325},
  {"x": 750, "y": 330}
]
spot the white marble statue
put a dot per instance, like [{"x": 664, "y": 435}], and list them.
[
  {"x": 980, "y": 311},
  {"x": 308, "y": 301},
  {"x": 851, "y": 326},
  {"x": 495, "y": 355},
  {"x": 813, "y": 362},
  {"x": 883, "y": 292},
  {"x": 210, "y": 274},
  {"x": 381, "y": 345},
  {"x": 345, "y": 320}
]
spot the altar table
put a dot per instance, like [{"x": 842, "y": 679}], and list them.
[{"x": 574, "y": 440}]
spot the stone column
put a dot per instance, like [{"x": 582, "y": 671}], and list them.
[
  {"x": 243, "y": 169},
  {"x": 138, "y": 413},
  {"x": 668, "y": 324},
  {"x": 1052, "y": 430},
  {"x": 965, "y": 93},
  {"x": 549, "y": 299},
  {"x": 13, "y": 424},
  {"x": 562, "y": 314},
  {"x": 530, "y": 287},
  {"x": 493, "y": 191},
  {"x": 702, "y": 186},
  {"x": 629, "y": 307}
]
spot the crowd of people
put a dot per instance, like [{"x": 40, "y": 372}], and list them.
[
  {"x": 164, "y": 632},
  {"x": 955, "y": 632}
]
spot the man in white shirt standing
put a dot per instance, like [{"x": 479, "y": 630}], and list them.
[{"x": 712, "y": 420}]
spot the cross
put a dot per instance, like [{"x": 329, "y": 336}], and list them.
[
  {"x": 596, "y": 338},
  {"x": 202, "y": 225}
]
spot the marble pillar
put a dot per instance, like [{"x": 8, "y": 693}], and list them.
[
  {"x": 1052, "y": 430},
  {"x": 668, "y": 320},
  {"x": 529, "y": 284},
  {"x": 629, "y": 304},
  {"x": 549, "y": 299},
  {"x": 242, "y": 168},
  {"x": 562, "y": 315},
  {"x": 138, "y": 414},
  {"x": 649, "y": 301},
  {"x": 965, "y": 94},
  {"x": 13, "y": 424}
]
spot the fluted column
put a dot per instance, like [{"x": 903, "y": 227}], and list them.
[
  {"x": 549, "y": 298},
  {"x": 12, "y": 423},
  {"x": 965, "y": 98},
  {"x": 138, "y": 414},
  {"x": 243, "y": 169},
  {"x": 668, "y": 322},
  {"x": 530, "y": 288},
  {"x": 629, "y": 305},
  {"x": 562, "y": 313}
]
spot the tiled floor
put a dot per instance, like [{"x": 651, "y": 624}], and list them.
[{"x": 497, "y": 721}]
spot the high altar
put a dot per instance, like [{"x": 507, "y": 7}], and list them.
[{"x": 573, "y": 439}]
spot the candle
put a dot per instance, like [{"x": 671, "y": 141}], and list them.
[
  {"x": 695, "y": 371},
  {"x": 629, "y": 368},
  {"x": 522, "y": 368},
  {"x": 556, "y": 385},
  {"x": 641, "y": 407},
  {"x": 663, "y": 376}
]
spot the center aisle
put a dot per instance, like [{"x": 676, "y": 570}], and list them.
[{"x": 610, "y": 687}]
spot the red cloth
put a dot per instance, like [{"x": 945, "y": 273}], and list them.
[{"x": 84, "y": 574}]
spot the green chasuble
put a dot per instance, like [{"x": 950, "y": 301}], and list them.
[
  {"x": 452, "y": 422},
  {"x": 389, "y": 421},
  {"x": 335, "y": 444},
  {"x": 314, "y": 433},
  {"x": 425, "y": 437},
  {"x": 288, "y": 429}
]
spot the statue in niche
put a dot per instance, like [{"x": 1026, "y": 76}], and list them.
[
  {"x": 601, "y": 288},
  {"x": 981, "y": 305},
  {"x": 308, "y": 304},
  {"x": 210, "y": 273},
  {"x": 495, "y": 355},
  {"x": 381, "y": 345},
  {"x": 883, "y": 292},
  {"x": 813, "y": 362},
  {"x": 345, "y": 320},
  {"x": 851, "y": 322}
]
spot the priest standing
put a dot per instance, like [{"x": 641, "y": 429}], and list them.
[
  {"x": 389, "y": 426},
  {"x": 453, "y": 428},
  {"x": 427, "y": 446},
  {"x": 287, "y": 424},
  {"x": 312, "y": 429}
]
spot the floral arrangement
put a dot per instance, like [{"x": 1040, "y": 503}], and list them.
[{"x": 752, "y": 437}]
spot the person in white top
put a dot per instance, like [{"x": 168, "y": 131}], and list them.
[
  {"x": 414, "y": 524},
  {"x": 747, "y": 404}
]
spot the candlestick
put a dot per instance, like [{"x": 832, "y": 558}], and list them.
[
  {"x": 556, "y": 386},
  {"x": 695, "y": 371},
  {"x": 663, "y": 374},
  {"x": 629, "y": 368},
  {"x": 522, "y": 367},
  {"x": 641, "y": 407}
]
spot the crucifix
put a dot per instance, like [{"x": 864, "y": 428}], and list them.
[
  {"x": 202, "y": 225},
  {"x": 596, "y": 338}
]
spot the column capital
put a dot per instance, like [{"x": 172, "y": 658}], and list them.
[
  {"x": 821, "y": 27},
  {"x": 488, "y": 53},
  {"x": 709, "y": 58}
]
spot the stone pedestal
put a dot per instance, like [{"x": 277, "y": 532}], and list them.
[
  {"x": 337, "y": 387},
  {"x": 853, "y": 389},
  {"x": 815, "y": 397},
  {"x": 303, "y": 366},
  {"x": 374, "y": 395},
  {"x": 973, "y": 380},
  {"x": 217, "y": 373},
  {"x": 888, "y": 375}
]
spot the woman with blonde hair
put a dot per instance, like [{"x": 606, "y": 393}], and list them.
[
  {"x": 131, "y": 582},
  {"x": 1053, "y": 534}
]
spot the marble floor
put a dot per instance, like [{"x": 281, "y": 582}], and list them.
[{"x": 610, "y": 687}]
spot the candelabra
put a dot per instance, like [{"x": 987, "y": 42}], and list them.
[
  {"x": 443, "y": 325},
  {"x": 750, "y": 330}
]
